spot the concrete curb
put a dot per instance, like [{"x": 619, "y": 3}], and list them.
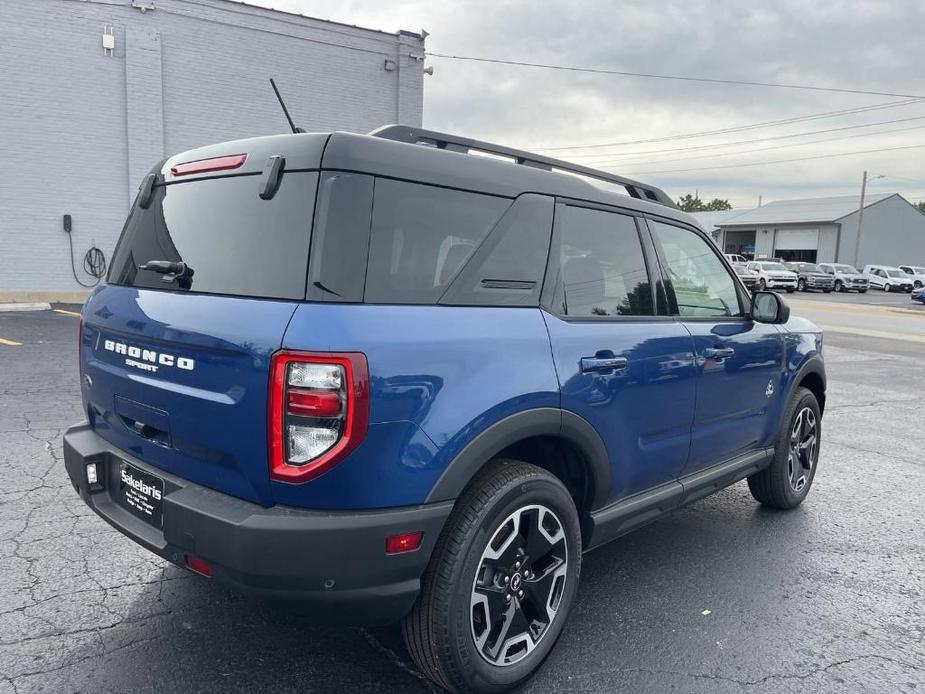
[{"x": 25, "y": 306}]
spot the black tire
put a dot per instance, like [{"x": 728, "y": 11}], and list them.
[
  {"x": 917, "y": 284},
  {"x": 839, "y": 286},
  {"x": 826, "y": 291},
  {"x": 790, "y": 290},
  {"x": 801, "y": 285},
  {"x": 762, "y": 285},
  {"x": 862, "y": 291},
  {"x": 440, "y": 631},
  {"x": 888, "y": 288},
  {"x": 773, "y": 486}
]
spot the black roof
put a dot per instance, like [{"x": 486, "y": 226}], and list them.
[{"x": 436, "y": 158}]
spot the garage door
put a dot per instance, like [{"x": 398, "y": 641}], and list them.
[{"x": 797, "y": 239}]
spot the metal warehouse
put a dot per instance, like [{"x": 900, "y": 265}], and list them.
[
  {"x": 95, "y": 92},
  {"x": 824, "y": 230}
]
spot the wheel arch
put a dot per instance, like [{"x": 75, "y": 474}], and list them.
[
  {"x": 810, "y": 375},
  {"x": 557, "y": 440}
]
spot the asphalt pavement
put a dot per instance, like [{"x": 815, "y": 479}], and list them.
[{"x": 722, "y": 596}]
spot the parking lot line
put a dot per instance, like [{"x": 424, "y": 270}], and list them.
[
  {"x": 66, "y": 313},
  {"x": 9, "y": 343},
  {"x": 887, "y": 335}
]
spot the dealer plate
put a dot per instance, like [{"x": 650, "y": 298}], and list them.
[{"x": 140, "y": 493}]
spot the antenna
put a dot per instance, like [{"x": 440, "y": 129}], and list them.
[{"x": 285, "y": 110}]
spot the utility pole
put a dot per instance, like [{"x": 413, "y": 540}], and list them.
[
  {"x": 759, "y": 200},
  {"x": 857, "y": 238}
]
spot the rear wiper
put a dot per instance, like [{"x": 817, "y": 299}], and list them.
[{"x": 181, "y": 272}]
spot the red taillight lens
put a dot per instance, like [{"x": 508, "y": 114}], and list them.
[
  {"x": 200, "y": 566},
  {"x": 318, "y": 411},
  {"x": 406, "y": 542},
  {"x": 232, "y": 161},
  {"x": 313, "y": 403}
]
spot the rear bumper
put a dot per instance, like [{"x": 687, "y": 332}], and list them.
[{"x": 334, "y": 562}]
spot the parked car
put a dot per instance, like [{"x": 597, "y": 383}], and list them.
[
  {"x": 916, "y": 273},
  {"x": 418, "y": 398},
  {"x": 749, "y": 277},
  {"x": 773, "y": 274},
  {"x": 887, "y": 278},
  {"x": 919, "y": 294},
  {"x": 810, "y": 276},
  {"x": 735, "y": 258},
  {"x": 847, "y": 277}
]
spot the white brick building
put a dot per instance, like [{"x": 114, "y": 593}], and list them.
[{"x": 80, "y": 124}]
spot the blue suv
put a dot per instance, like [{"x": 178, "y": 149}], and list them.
[{"x": 394, "y": 381}]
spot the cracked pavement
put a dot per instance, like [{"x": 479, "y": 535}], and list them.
[{"x": 827, "y": 598}]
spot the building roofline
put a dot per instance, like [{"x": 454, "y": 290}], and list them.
[
  {"x": 894, "y": 195},
  {"x": 288, "y": 13}
]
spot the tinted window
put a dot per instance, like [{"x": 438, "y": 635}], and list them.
[
  {"x": 340, "y": 239},
  {"x": 602, "y": 270},
  {"x": 421, "y": 236},
  {"x": 234, "y": 242},
  {"x": 508, "y": 267},
  {"x": 702, "y": 285}
]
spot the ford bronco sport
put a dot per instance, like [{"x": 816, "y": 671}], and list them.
[{"x": 397, "y": 382}]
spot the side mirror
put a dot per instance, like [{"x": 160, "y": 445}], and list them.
[{"x": 768, "y": 307}]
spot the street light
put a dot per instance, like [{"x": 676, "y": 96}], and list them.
[{"x": 857, "y": 238}]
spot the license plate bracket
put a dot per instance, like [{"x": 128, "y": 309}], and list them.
[{"x": 140, "y": 493}]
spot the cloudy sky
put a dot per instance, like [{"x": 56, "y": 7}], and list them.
[{"x": 873, "y": 45}]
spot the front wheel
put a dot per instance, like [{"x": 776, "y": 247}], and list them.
[
  {"x": 790, "y": 290},
  {"x": 801, "y": 285},
  {"x": 862, "y": 291},
  {"x": 762, "y": 285},
  {"x": 501, "y": 582},
  {"x": 839, "y": 286},
  {"x": 786, "y": 481},
  {"x": 888, "y": 288}
]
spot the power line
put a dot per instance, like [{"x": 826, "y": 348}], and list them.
[
  {"x": 647, "y": 160},
  {"x": 779, "y": 161},
  {"x": 752, "y": 126},
  {"x": 746, "y": 142},
  {"x": 650, "y": 75}
]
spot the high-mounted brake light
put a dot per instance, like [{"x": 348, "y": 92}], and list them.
[
  {"x": 232, "y": 161},
  {"x": 318, "y": 411}
]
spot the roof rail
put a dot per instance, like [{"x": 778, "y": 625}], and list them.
[{"x": 464, "y": 145}]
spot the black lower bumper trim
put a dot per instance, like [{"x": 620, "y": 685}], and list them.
[{"x": 335, "y": 562}]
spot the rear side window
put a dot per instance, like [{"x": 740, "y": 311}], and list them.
[
  {"x": 420, "y": 238},
  {"x": 602, "y": 269},
  {"x": 234, "y": 242}
]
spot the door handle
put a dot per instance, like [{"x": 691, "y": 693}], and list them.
[
  {"x": 718, "y": 352},
  {"x": 602, "y": 363}
]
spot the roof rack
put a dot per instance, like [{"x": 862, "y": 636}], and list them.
[{"x": 464, "y": 145}]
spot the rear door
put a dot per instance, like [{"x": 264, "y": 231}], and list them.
[
  {"x": 623, "y": 364},
  {"x": 739, "y": 362},
  {"x": 175, "y": 366}
]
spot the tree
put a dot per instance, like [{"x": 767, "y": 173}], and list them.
[
  {"x": 693, "y": 203},
  {"x": 920, "y": 206}
]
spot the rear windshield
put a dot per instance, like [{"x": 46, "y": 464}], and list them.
[{"x": 233, "y": 241}]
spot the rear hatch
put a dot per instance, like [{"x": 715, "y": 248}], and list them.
[{"x": 175, "y": 358}]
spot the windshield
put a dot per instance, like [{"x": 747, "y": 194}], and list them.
[
  {"x": 773, "y": 266},
  {"x": 848, "y": 269},
  {"x": 805, "y": 267}
]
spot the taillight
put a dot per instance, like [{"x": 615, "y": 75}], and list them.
[{"x": 319, "y": 408}]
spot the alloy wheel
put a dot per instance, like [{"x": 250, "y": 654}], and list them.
[
  {"x": 519, "y": 584},
  {"x": 803, "y": 448}
]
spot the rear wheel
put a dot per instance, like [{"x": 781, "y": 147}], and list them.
[
  {"x": 501, "y": 581},
  {"x": 786, "y": 481}
]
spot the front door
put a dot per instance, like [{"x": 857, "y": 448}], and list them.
[
  {"x": 625, "y": 369},
  {"x": 739, "y": 362}
]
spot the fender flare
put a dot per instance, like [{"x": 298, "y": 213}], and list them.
[
  {"x": 812, "y": 365},
  {"x": 544, "y": 421}
]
